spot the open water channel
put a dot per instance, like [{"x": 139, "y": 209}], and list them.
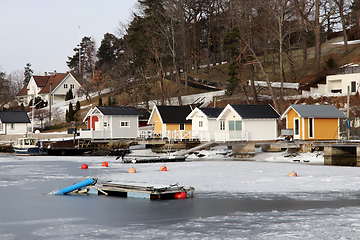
[{"x": 27, "y": 212}]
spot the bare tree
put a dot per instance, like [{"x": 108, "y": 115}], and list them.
[{"x": 311, "y": 11}]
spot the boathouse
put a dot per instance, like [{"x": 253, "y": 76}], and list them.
[
  {"x": 313, "y": 122},
  {"x": 247, "y": 123},
  {"x": 170, "y": 122},
  {"x": 204, "y": 123},
  {"x": 111, "y": 122},
  {"x": 14, "y": 122}
]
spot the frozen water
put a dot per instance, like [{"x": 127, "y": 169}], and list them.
[{"x": 234, "y": 199}]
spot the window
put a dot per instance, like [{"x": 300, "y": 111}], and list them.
[
  {"x": 181, "y": 126},
  {"x": 296, "y": 126},
  {"x": 201, "y": 124},
  {"x": 222, "y": 125},
  {"x": 235, "y": 125},
  {"x": 72, "y": 86},
  {"x": 65, "y": 86},
  {"x": 353, "y": 87},
  {"x": 311, "y": 127},
  {"x": 105, "y": 124},
  {"x": 124, "y": 124},
  {"x": 12, "y": 126}
]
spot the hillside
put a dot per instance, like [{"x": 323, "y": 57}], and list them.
[{"x": 218, "y": 74}]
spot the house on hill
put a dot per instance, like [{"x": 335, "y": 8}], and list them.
[
  {"x": 204, "y": 123},
  {"x": 48, "y": 87},
  {"x": 170, "y": 122},
  {"x": 313, "y": 122},
  {"x": 111, "y": 122},
  {"x": 14, "y": 122},
  {"x": 247, "y": 123},
  {"x": 338, "y": 83}
]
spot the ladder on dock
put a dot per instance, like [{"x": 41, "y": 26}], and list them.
[{"x": 204, "y": 145}]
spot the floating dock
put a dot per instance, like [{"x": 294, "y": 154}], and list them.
[{"x": 140, "y": 191}]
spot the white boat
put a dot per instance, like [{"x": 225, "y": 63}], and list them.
[{"x": 27, "y": 146}]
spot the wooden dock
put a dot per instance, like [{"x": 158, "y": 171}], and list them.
[{"x": 153, "y": 159}]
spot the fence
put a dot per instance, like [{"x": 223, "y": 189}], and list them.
[{"x": 203, "y": 136}]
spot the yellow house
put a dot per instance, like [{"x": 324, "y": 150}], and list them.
[
  {"x": 313, "y": 122},
  {"x": 170, "y": 122}
]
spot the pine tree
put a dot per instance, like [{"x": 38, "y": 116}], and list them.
[
  {"x": 27, "y": 73},
  {"x": 70, "y": 113},
  {"x": 69, "y": 95}
]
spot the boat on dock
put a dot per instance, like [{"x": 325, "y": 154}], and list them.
[{"x": 28, "y": 146}]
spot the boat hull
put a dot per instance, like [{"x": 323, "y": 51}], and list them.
[{"x": 28, "y": 151}]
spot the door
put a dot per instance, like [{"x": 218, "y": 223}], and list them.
[
  {"x": 296, "y": 128},
  {"x": 97, "y": 126}
]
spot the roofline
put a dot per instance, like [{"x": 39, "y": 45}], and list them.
[
  {"x": 225, "y": 109},
  {"x": 287, "y": 111},
  {"x": 190, "y": 116},
  {"x": 158, "y": 113}
]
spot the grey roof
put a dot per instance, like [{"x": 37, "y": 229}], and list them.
[
  {"x": 255, "y": 111},
  {"x": 14, "y": 117},
  {"x": 174, "y": 114},
  {"x": 318, "y": 111},
  {"x": 116, "y": 110},
  {"x": 211, "y": 112}
]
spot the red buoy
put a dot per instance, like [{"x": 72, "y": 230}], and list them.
[
  {"x": 163, "y": 168},
  {"x": 84, "y": 166},
  {"x": 105, "y": 164},
  {"x": 180, "y": 195}
]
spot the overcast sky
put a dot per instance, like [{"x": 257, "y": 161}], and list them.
[{"x": 45, "y": 32}]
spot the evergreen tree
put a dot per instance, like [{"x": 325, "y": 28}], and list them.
[
  {"x": 27, "y": 73},
  {"x": 70, "y": 113},
  {"x": 77, "y": 111},
  {"x": 231, "y": 45},
  {"x": 69, "y": 95},
  {"x": 39, "y": 103}
]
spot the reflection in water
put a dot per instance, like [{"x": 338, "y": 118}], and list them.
[{"x": 341, "y": 161}]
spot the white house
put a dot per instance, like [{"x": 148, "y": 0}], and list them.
[
  {"x": 111, "y": 122},
  {"x": 56, "y": 86},
  {"x": 204, "y": 123},
  {"x": 337, "y": 84},
  {"x": 247, "y": 123},
  {"x": 14, "y": 122}
]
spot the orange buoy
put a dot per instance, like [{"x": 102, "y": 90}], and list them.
[
  {"x": 292, "y": 174},
  {"x": 105, "y": 164},
  {"x": 132, "y": 170},
  {"x": 180, "y": 195},
  {"x": 163, "y": 168},
  {"x": 84, "y": 166}
]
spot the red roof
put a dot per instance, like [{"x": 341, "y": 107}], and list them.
[
  {"x": 55, "y": 80},
  {"x": 22, "y": 92},
  {"x": 44, "y": 83},
  {"x": 41, "y": 80}
]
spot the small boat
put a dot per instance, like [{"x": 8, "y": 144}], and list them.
[{"x": 27, "y": 146}]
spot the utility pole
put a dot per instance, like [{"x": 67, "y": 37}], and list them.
[
  {"x": 348, "y": 113},
  {"x": 50, "y": 102}
]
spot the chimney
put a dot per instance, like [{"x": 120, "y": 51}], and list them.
[{"x": 54, "y": 72}]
